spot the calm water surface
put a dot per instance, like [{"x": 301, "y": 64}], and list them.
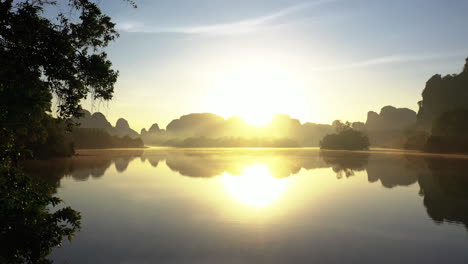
[{"x": 262, "y": 206}]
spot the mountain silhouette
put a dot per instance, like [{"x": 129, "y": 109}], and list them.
[
  {"x": 390, "y": 118},
  {"x": 387, "y": 129},
  {"x": 123, "y": 129},
  {"x": 201, "y": 128},
  {"x": 443, "y": 94},
  {"x": 98, "y": 120},
  {"x": 95, "y": 120}
]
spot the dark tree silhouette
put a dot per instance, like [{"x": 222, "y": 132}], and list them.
[
  {"x": 42, "y": 57},
  {"x": 449, "y": 132},
  {"x": 346, "y": 138},
  {"x": 28, "y": 230}
]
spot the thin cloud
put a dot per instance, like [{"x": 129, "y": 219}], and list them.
[
  {"x": 386, "y": 60},
  {"x": 243, "y": 26}
]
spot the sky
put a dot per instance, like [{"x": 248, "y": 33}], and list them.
[{"x": 317, "y": 60}]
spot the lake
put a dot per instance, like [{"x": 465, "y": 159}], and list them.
[{"x": 262, "y": 206}]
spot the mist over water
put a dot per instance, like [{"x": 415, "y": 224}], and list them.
[{"x": 262, "y": 206}]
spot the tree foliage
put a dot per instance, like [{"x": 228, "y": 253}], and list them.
[
  {"x": 28, "y": 229},
  {"x": 449, "y": 132},
  {"x": 42, "y": 57},
  {"x": 346, "y": 138}
]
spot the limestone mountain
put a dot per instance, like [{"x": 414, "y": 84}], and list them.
[
  {"x": 387, "y": 129},
  {"x": 443, "y": 94},
  {"x": 122, "y": 128},
  {"x": 195, "y": 125},
  {"x": 390, "y": 118},
  {"x": 211, "y": 126},
  {"x": 98, "y": 120},
  {"x": 154, "y": 128},
  {"x": 95, "y": 120}
]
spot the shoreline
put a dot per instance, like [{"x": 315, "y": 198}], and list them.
[{"x": 86, "y": 152}]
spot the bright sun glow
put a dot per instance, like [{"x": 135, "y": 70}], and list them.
[
  {"x": 255, "y": 187},
  {"x": 256, "y": 92},
  {"x": 258, "y": 118}
]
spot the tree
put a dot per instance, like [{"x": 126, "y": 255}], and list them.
[
  {"x": 42, "y": 57},
  {"x": 28, "y": 230},
  {"x": 340, "y": 126},
  {"x": 346, "y": 138}
]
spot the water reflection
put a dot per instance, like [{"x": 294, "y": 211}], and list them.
[
  {"x": 172, "y": 199},
  {"x": 253, "y": 177},
  {"x": 345, "y": 163},
  {"x": 92, "y": 164},
  {"x": 255, "y": 186},
  {"x": 445, "y": 190}
]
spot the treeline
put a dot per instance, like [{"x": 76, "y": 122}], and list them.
[
  {"x": 90, "y": 138},
  {"x": 59, "y": 141},
  {"x": 449, "y": 133},
  {"x": 231, "y": 142}
]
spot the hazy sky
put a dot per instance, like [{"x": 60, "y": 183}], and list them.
[{"x": 317, "y": 60}]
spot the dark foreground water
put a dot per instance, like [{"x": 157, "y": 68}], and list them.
[{"x": 262, "y": 206}]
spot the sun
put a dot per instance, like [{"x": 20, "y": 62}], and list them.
[
  {"x": 255, "y": 92},
  {"x": 258, "y": 118},
  {"x": 255, "y": 187}
]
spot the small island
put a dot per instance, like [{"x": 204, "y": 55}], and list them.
[{"x": 346, "y": 138}]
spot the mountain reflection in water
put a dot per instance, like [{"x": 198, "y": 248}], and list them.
[{"x": 261, "y": 178}]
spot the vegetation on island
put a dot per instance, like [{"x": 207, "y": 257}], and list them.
[{"x": 345, "y": 138}]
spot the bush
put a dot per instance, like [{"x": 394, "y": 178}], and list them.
[{"x": 345, "y": 139}]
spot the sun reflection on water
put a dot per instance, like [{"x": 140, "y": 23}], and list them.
[{"x": 255, "y": 187}]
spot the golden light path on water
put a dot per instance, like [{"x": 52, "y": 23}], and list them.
[{"x": 255, "y": 187}]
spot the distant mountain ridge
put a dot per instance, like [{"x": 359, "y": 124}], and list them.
[
  {"x": 98, "y": 120},
  {"x": 385, "y": 129},
  {"x": 200, "y": 125}
]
